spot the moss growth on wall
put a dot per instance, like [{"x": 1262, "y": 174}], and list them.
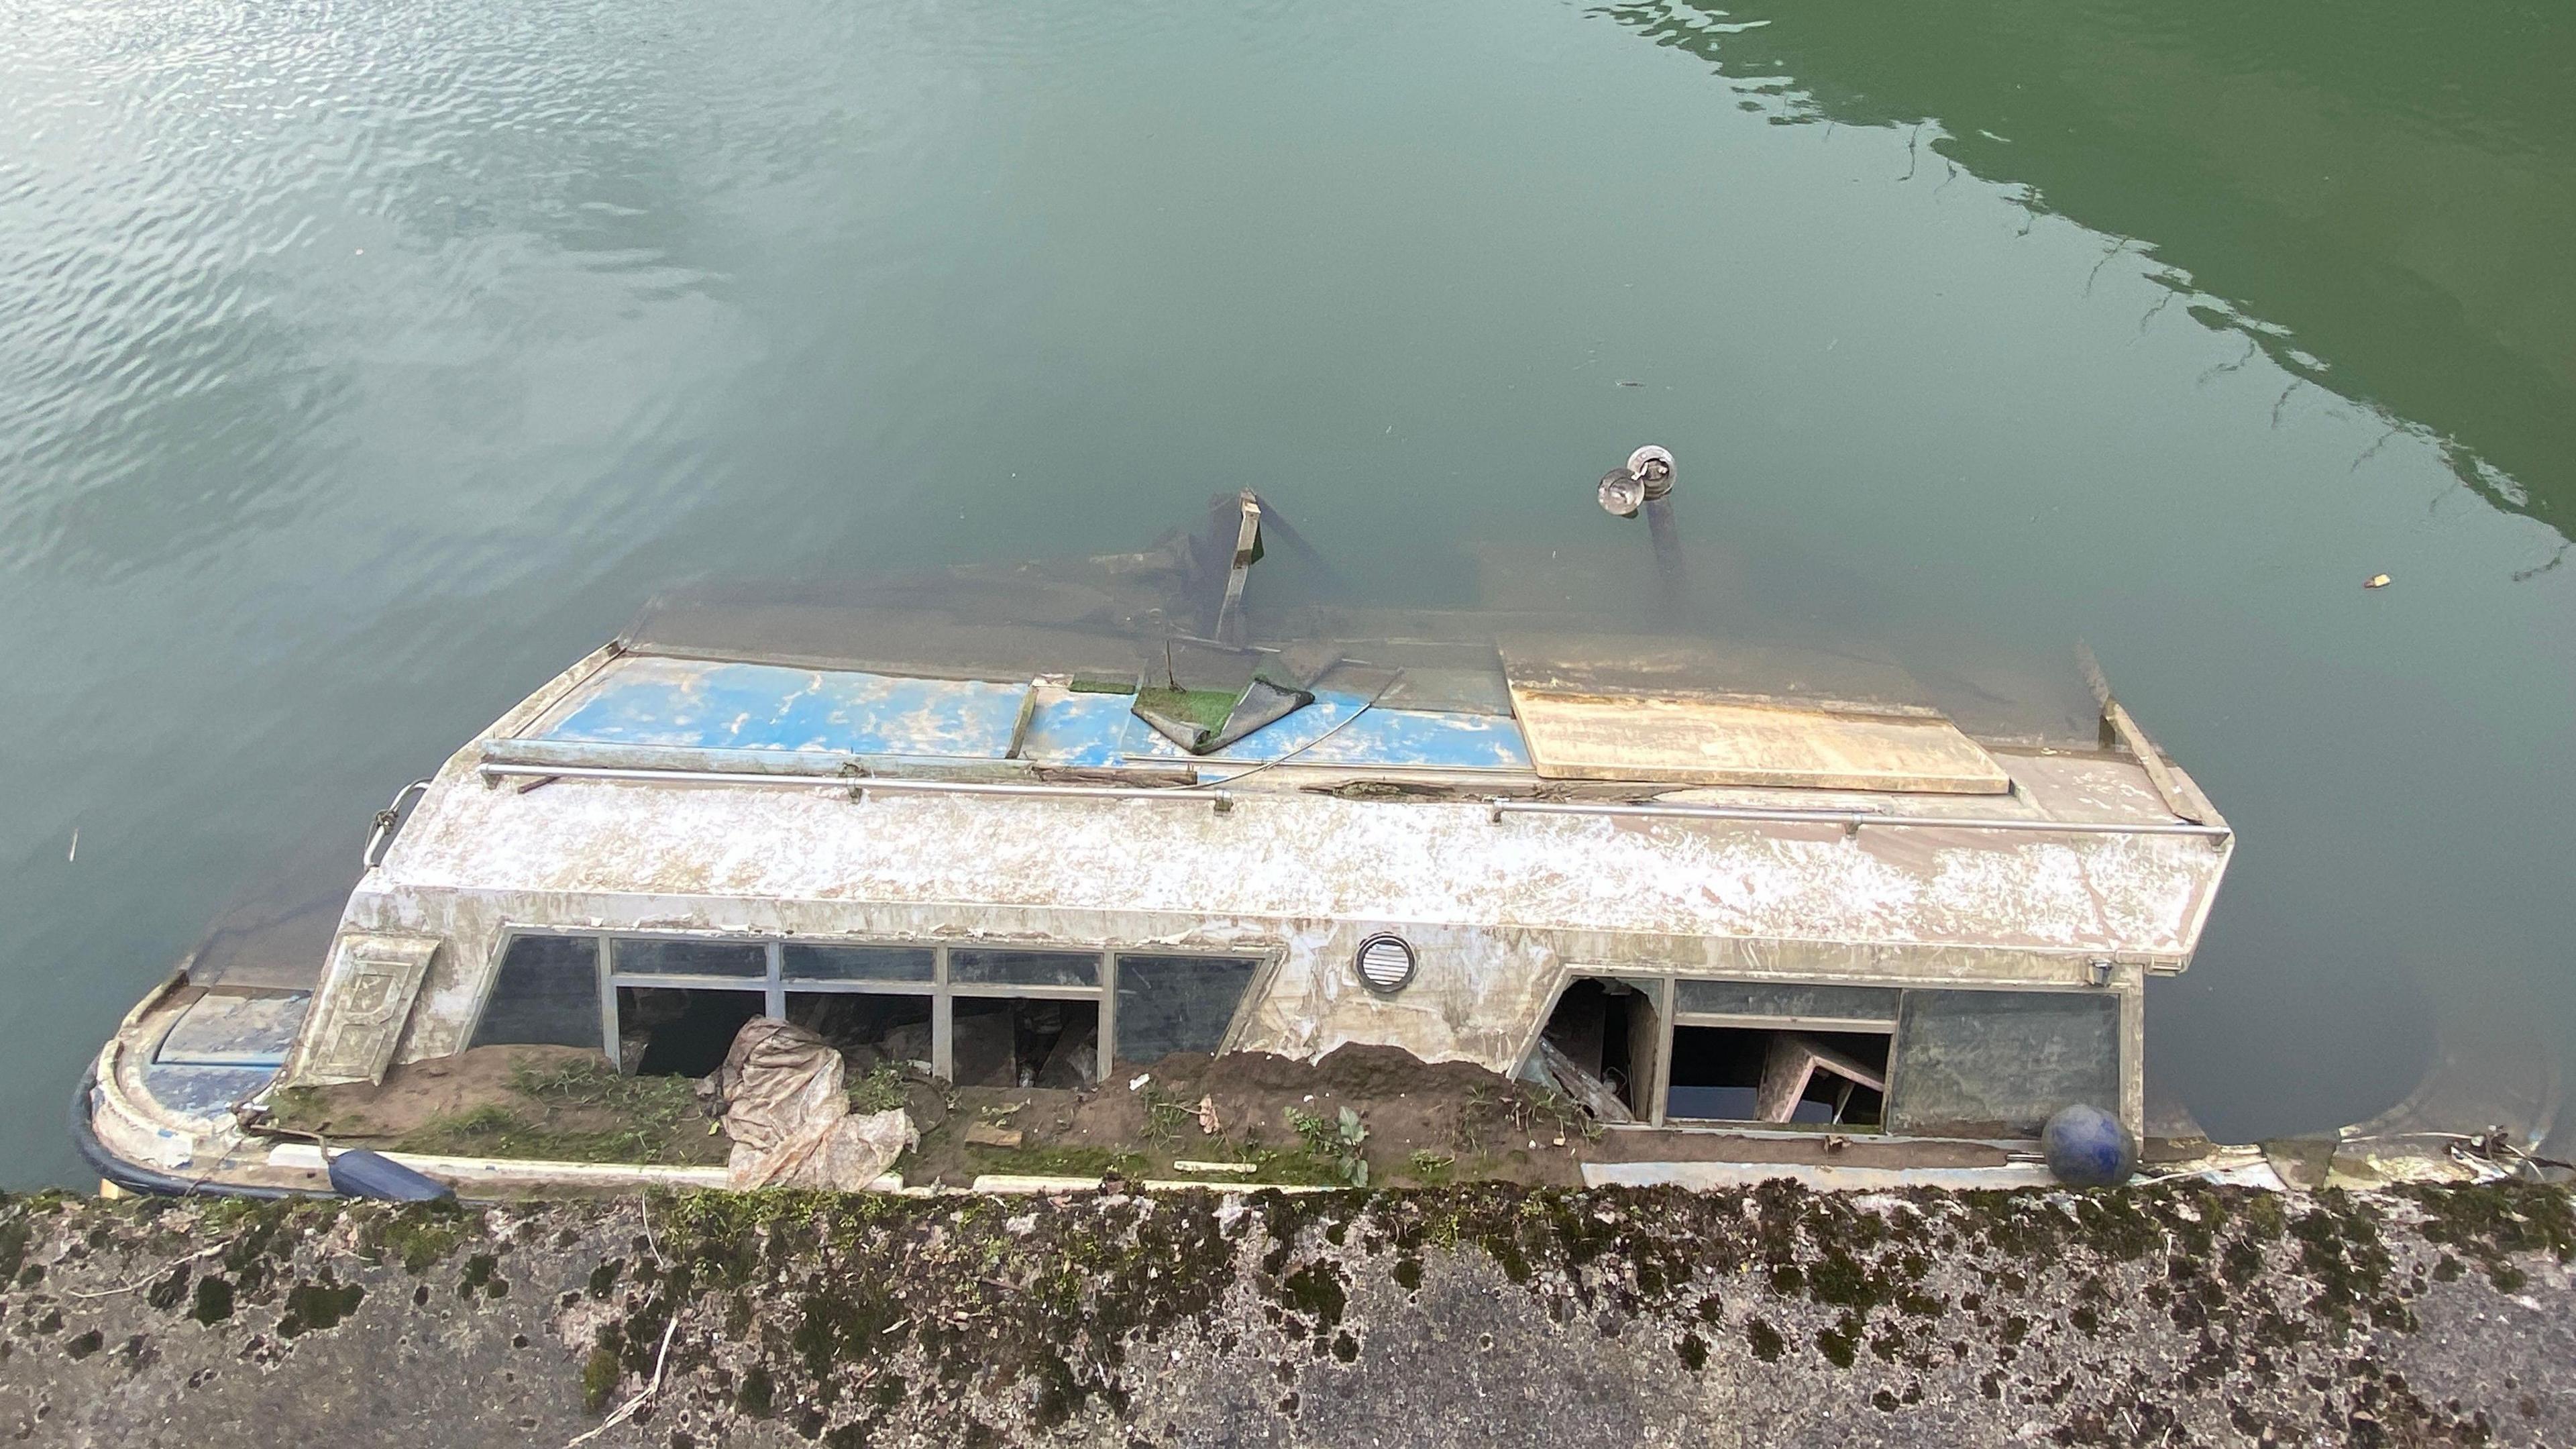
[
  {"x": 318, "y": 1304},
  {"x": 419, "y": 1236},
  {"x": 600, "y": 1373},
  {"x": 847, "y": 1315},
  {"x": 2490, "y": 1222}
]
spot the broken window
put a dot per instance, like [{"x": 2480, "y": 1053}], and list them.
[
  {"x": 1999, "y": 1063},
  {"x": 677, "y": 1003},
  {"x": 1762, "y": 1074},
  {"x": 668, "y": 1031},
  {"x": 869, "y": 1029},
  {"x": 1599, "y": 1047},
  {"x": 546, "y": 993},
  {"x": 1170, "y": 1004},
  {"x": 1020, "y": 1042}
]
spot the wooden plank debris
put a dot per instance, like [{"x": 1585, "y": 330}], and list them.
[
  {"x": 1794, "y": 1060},
  {"x": 1585, "y": 1088}
]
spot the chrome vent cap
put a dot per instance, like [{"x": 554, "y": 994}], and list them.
[{"x": 1386, "y": 963}]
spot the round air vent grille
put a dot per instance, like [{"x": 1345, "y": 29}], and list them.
[{"x": 1386, "y": 963}]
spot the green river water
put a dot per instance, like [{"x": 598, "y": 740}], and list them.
[{"x": 362, "y": 364}]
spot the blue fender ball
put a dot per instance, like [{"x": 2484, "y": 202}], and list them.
[{"x": 2087, "y": 1147}]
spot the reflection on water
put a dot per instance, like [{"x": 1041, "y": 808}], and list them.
[
  {"x": 360, "y": 367},
  {"x": 2376, "y": 196}
]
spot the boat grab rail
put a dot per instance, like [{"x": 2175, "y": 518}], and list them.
[
  {"x": 860, "y": 786},
  {"x": 1852, "y": 820},
  {"x": 380, "y": 832}
]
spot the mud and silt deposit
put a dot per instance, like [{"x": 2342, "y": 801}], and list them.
[
  {"x": 1267, "y": 1118},
  {"x": 1493, "y": 1314}
]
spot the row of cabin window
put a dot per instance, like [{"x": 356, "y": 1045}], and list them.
[
  {"x": 800, "y": 961},
  {"x": 1992, "y": 1062},
  {"x": 549, "y": 989}
]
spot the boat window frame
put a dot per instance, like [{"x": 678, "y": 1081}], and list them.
[
  {"x": 1666, "y": 988},
  {"x": 502, "y": 942},
  {"x": 774, "y": 986},
  {"x": 1266, "y": 961}
]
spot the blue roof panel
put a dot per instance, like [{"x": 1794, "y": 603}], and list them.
[
  {"x": 648, "y": 701},
  {"x": 696, "y": 704}
]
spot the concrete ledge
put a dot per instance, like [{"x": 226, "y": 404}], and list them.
[{"x": 2184, "y": 1312}]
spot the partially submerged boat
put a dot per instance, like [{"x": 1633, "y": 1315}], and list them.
[{"x": 1028, "y": 830}]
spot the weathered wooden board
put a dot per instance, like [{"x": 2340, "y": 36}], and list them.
[
  {"x": 1733, "y": 671},
  {"x": 1717, "y": 742}
]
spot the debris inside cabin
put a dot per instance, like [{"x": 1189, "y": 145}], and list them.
[
  {"x": 1190, "y": 1116},
  {"x": 783, "y": 1104}
]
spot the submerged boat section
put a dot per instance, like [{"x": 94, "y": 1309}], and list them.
[{"x": 1695, "y": 889}]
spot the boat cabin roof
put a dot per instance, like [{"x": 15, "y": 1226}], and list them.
[{"x": 1506, "y": 789}]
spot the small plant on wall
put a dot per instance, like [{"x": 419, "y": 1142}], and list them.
[{"x": 1335, "y": 1140}]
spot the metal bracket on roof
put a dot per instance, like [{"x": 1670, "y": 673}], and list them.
[
  {"x": 2118, "y": 726},
  {"x": 2169, "y": 787},
  {"x": 1247, "y": 547},
  {"x": 1027, "y": 716}
]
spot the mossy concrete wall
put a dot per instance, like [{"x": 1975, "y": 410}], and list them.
[{"x": 1476, "y": 1316}]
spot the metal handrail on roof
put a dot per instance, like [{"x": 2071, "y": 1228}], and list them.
[
  {"x": 1222, "y": 801},
  {"x": 1852, "y": 820},
  {"x": 859, "y": 786}
]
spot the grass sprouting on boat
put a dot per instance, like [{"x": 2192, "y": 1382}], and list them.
[
  {"x": 554, "y": 1111},
  {"x": 1059, "y": 1161},
  {"x": 1206, "y": 708},
  {"x": 879, "y": 1091},
  {"x": 649, "y": 1119}
]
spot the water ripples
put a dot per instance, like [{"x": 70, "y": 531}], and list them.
[{"x": 227, "y": 231}]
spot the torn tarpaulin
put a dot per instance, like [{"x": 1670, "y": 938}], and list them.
[
  {"x": 789, "y": 1116},
  {"x": 1280, "y": 686}
]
